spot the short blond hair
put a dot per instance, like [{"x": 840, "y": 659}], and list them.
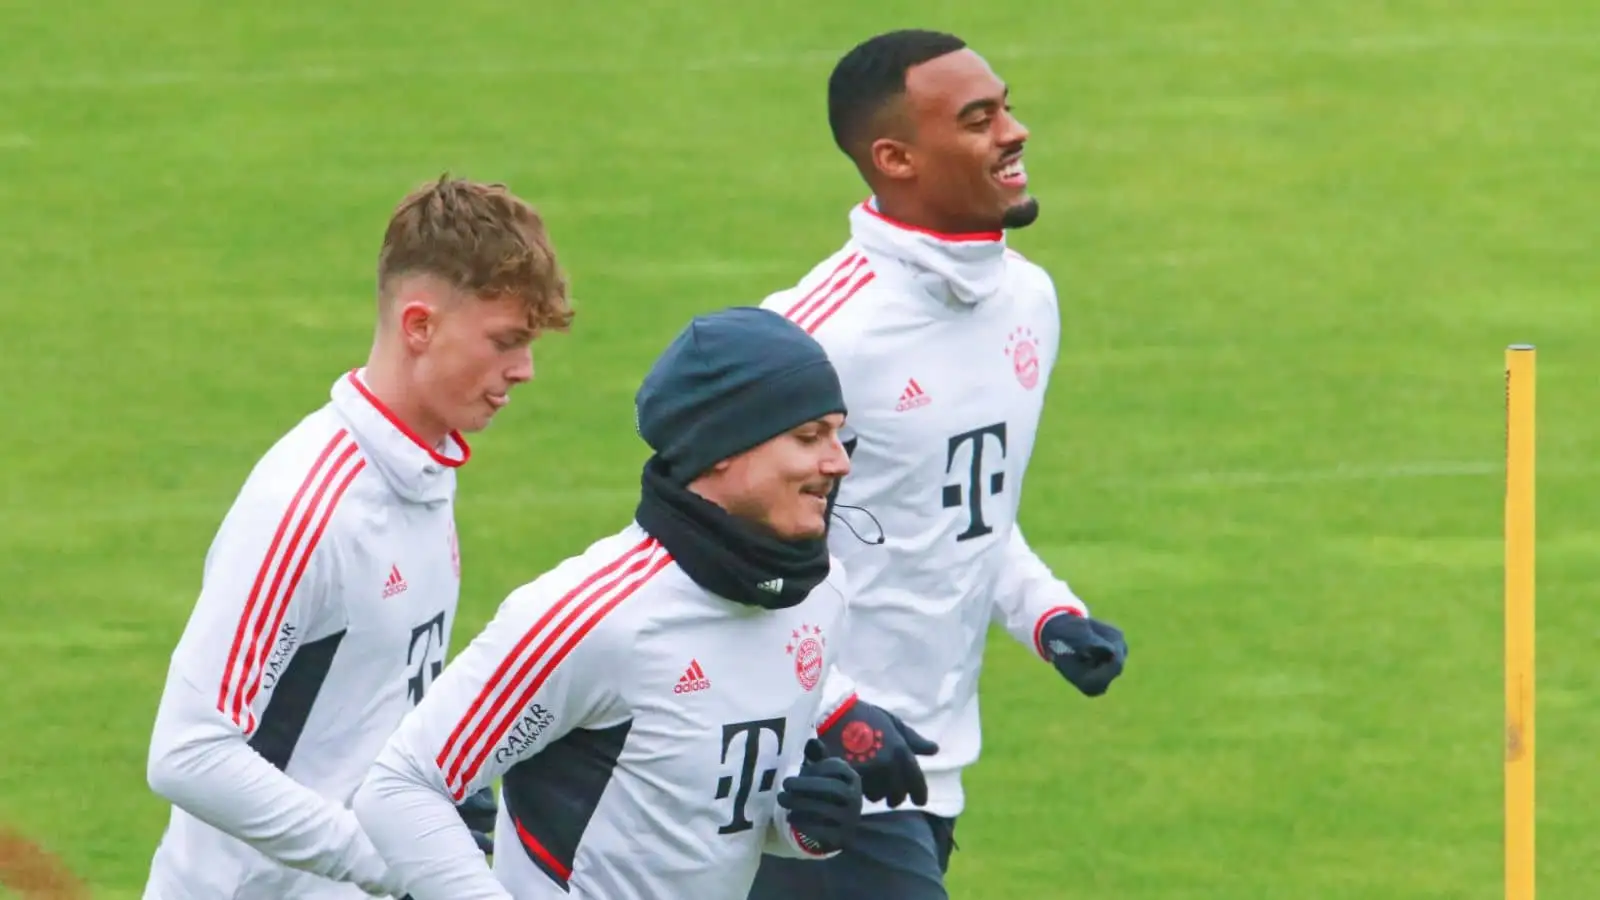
[{"x": 479, "y": 239}]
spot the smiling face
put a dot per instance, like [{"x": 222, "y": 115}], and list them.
[
  {"x": 782, "y": 485},
  {"x": 961, "y": 155}
]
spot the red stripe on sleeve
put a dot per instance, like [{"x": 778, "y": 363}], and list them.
[
  {"x": 272, "y": 610},
  {"x": 794, "y": 310},
  {"x": 610, "y": 601},
  {"x": 497, "y": 687},
  {"x": 244, "y": 633},
  {"x": 823, "y": 298},
  {"x": 862, "y": 282},
  {"x": 350, "y": 473}
]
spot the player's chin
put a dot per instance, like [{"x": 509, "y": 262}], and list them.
[
  {"x": 809, "y": 521},
  {"x": 476, "y": 420},
  {"x": 1019, "y": 211},
  {"x": 809, "y": 531}
]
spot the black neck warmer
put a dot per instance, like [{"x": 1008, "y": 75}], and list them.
[{"x": 723, "y": 554}]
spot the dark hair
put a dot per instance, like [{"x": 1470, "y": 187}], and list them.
[{"x": 873, "y": 73}]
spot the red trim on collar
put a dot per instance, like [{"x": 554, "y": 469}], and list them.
[
  {"x": 403, "y": 428},
  {"x": 973, "y": 237}
]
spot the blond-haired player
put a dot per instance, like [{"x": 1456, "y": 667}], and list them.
[{"x": 330, "y": 588}]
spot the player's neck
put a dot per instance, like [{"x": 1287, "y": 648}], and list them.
[
  {"x": 390, "y": 381},
  {"x": 908, "y": 210}
]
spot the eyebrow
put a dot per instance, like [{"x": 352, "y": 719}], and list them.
[{"x": 985, "y": 103}]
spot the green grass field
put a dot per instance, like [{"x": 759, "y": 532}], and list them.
[{"x": 1292, "y": 240}]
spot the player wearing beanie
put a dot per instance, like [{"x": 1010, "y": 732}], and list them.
[{"x": 652, "y": 704}]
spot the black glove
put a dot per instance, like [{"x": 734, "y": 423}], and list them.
[
  {"x": 824, "y": 800},
  {"x": 478, "y": 811},
  {"x": 884, "y": 750},
  {"x": 1087, "y": 652}
]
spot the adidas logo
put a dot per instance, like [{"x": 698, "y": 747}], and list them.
[
  {"x": 396, "y": 584},
  {"x": 693, "y": 679},
  {"x": 912, "y": 397},
  {"x": 775, "y": 586}
]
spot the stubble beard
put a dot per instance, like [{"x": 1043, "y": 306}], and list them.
[{"x": 1020, "y": 215}]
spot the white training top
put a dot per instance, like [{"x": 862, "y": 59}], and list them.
[
  {"x": 324, "y": 614},
  {"x": 643, "y": 726},
  {"x": 944, "y": 345}
]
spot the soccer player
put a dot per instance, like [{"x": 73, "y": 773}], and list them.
[
  {"x": 329, "y": 591},
  {"x": 651, "y": 703},
  {"x": 944, "y": 340}
]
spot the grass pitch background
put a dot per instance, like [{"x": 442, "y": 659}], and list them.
[{"x": 1291, "y": 242}]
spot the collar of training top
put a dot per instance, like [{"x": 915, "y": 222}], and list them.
[
  {"x": 968, "y": 268},
  {"x": 417, "y": 472},
  {"x": 723, "y": 554}
]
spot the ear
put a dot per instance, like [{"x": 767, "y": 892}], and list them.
[
  {"x": 892, "y": 158},
  {"x": 419, "y": 321}
]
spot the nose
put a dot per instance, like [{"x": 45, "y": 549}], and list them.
[
  {"x": 522, "y": 369},
  {"x": 1012, "y": 131},
  {"x": 837, "y": 463}
]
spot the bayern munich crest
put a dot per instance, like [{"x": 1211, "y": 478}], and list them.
[
  {"x": 1024, "y": 353},
  {"x": 807, "y": 646}
]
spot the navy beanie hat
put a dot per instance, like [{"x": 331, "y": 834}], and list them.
[{"x": 729, "y": 381}]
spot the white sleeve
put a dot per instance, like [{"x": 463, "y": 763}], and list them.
[
  {"x": 838, "y": 695},
  {"x": 838, "y": 688},
  {"x": 510, "y": 693},
  {"x": 269, "y": 589},
  {"x": 1027, "y": 593}
]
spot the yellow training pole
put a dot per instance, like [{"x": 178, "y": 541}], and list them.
[{"x": 1519, "y": 631}]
